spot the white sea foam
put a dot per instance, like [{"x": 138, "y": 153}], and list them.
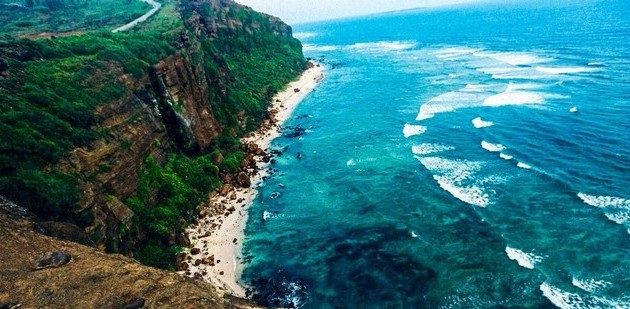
[
  {"x": 492, "y": 147},
  {"x": 414, "y": 235},
  {"x": 567, "y": 300},
  {"x": 604, "y": 201},
  {"x": 596, "y": 64},
  {"x": 480, "y": 123},
  {"x": 514, "y": 97},
  {"x": 457, "y": 178},
  {"x": 561, "y": 299},
  {"x": 411, "y": 130},
  {"x": 616, "y": 209},
  {"x": 527, "y": 260},
  {"x": 505, "y": 156},
  {"x": 471, "y": 194},
  {"x": 590, "y": 285},
  {"x": 513, "y": 58},
  {"x": 449, "y": 102},
  {"x": 453, "y": 53},
  {"x": 573, "y": 109},
  {"x": 523, "y": 165},
  {"x": 478, "y": 88},
  {"x": 619, "y": 216},
  {"x": 321, "y": 48},
  {"x": 304, "y": 35},
  {"x": 525, "y": 86},
  {"x": 383, "y": 46},
  {"x": 425, "y": 149},
  {"x": 566, "y": 70},
  {"x": 513, "y": 73}
]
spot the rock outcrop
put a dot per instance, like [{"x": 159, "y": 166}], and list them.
[
  {"x": 38, "y": 271},
  {"x": 168, "y": 110}
]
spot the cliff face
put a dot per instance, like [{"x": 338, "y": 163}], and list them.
[
  {"x": 168, "y": 111},
  {"x": 185, "y": 101},
  {"x": 91, "y": 279}
]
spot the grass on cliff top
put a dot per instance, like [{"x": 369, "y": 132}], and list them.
[
  {"x": 49, "y": 89},
  {"x": 29, "y": 17},
  {"x": 47, "y": 99}
]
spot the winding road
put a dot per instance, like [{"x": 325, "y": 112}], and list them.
[{"x": 156, "y": 7}]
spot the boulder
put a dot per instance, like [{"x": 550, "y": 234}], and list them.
[
  {"x": 218, "y": 158},
  {"x": 183, "y": 240},
  {"x": 65, "y": 230},
  {"x": 243, "y": 180},
  {"x": 226, "y": 188},
  {"x": 135, "y": 303},
  {"x": 195, "y": 251},
  {"x": 53, "y": 259}
]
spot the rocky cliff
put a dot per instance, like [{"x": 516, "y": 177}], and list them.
[
  {"x": 78, "y": 276},
  {"x": 181, "y": 100}
]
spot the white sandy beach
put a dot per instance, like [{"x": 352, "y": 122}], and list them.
[{"x": 219, "y": 234}]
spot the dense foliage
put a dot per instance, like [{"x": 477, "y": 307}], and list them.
[
  {"x": 47, "y": 107},
  {"x": 166, "y": 201},
  {"x": 23, "y": 17},
  {"x": 259, "y": 63},
  {"x": 49, "y": 89}
]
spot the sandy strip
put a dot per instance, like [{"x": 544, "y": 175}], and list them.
[{"x": 219, "y": 234}]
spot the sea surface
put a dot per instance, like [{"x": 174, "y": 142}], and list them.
[{"x": 464, "y": 157}]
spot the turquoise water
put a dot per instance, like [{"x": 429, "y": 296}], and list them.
[{"x": 466, "y": 157}]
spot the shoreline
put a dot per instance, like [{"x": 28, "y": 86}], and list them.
[{"x": 215, "y": 253}]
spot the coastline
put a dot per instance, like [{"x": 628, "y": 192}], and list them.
[{"x": 215, "y": 253}]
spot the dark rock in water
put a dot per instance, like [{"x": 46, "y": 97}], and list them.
[
  {"x": 275, "y": 194},
  {"x": 335, "y": 65},
  {"x": 297, "y": 132},
  {"x": 280, "y": 292},
  {"x": 53, "y": 259},
  {"x": 299, "y": 156},
  {"x": 135, "y": 303},
  {"x": 10, "y": 305}
]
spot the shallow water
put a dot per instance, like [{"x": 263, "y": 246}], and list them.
[{"x": 474, "y": 156}]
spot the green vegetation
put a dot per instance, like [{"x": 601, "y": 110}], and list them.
[
  {"x": 23, "y": 17},
  {"x": 166, "y": 201},
  {"x": 47, "y": 107},
  {"x": 259, "y": 61},
  {"x": 50, "y": 89}
]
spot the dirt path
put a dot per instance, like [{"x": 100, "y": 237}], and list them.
[{"x": 156, "y": 7}]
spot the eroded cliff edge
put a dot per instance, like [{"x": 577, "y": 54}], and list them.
[
  {"x": 91, "y": 279},
  {"x": 114, "y": 139}
]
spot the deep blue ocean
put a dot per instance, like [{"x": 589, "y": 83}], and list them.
[{"x": 472, "y": 156}]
